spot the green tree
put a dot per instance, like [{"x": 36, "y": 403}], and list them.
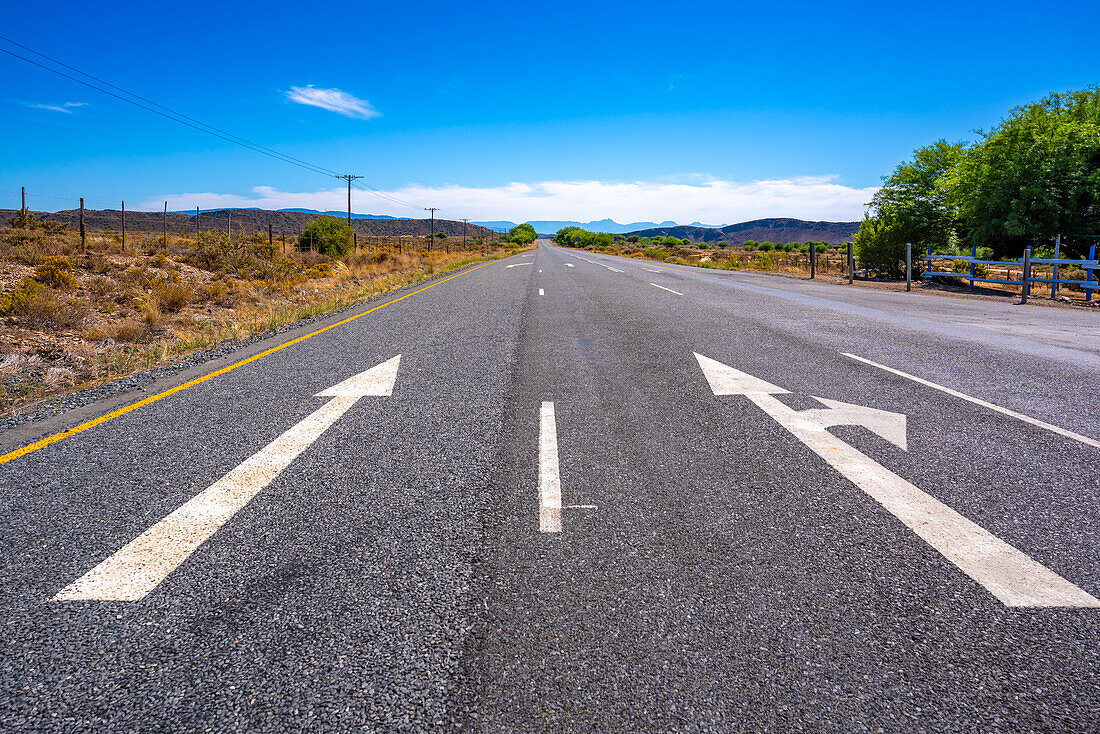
[
  {"x": 1035, "y": 175},
  {"x": 522, "y": 234},
  {"x": 915, "y": 198},
  {"x": 329, "y": 235},
  {"x": 880, "y": 245}
]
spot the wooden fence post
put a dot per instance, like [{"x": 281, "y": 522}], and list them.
[{"x": 83, "y": 240}]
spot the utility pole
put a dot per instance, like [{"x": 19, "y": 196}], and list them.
[
  {"x": 433, "y": 210},
  {"x": 196, "y": 224},
  {"x": 464, "y": 233},
  {"x": 83, "y": 241},
  {"x": 23, "y": 208},
  {"x": 229, "y": 226},
  {"x": 164, "y": 220},
  {"x": 349, "y": 178}
]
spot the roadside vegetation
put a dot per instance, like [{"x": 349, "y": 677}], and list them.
[
  {"x": 1032, "y": 177},
  {"x": 72, "y": 317},
  {"x": 791, "y": 257}
]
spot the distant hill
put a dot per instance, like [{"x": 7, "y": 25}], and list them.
[
  {"x": 761, "y": 230},
  {"x": 550, "y": 226},
  {"x": 247, "y": 220}
]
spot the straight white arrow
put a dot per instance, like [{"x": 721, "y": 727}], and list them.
[
  {"x": 1007, "y": 573},
  {"x": 141, "y": 565}
]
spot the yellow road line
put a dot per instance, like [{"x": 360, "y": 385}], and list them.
[{"x": 42, "y": 443}]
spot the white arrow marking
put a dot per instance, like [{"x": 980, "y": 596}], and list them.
[
  {"x": 140, "y": 566},
  {"x": 1007, "y": 573},
  {"x": 549, "y": 476},
  {"x": 887, "y": 425},
  {"x": 514, "y": 265}
]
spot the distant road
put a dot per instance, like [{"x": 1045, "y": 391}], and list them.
[{"x": 576, "y": 492}]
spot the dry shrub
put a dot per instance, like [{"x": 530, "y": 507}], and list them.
[
  {"x": 213, "y": 292},
  {"x": 56, "y": 272},
  {"x": 57, "y": 377},
  {"x": 151, "y": 314},
  {"x": 101, "y": 285},
  {"x": 34, "y": 305},
  {"x": 130, "y": 330},
  {"x": 173, "y": 297},
  {"x": 98, "y": 264}
]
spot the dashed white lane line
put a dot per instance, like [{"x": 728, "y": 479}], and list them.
[
  {"x": 979, "y": 401},
  {"x": 140, "y": 566},
  {"x": 549, "y": 477},
  {"x": 541, "y": 292},
  {"x": 666, "y": 289},
  {"x": 653, "y": 271},
  {"x": 569, "y": 265},
  {"x": 540, "y": 270}
]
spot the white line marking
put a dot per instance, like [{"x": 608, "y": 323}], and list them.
[
  {"x": 652, "y": 270},
  {"x": 141, "y": 565},
  {"x": 541, "y": 293},
  {"x": 540, "y": 270},
  {"x": 666, "y": 289},
  {"x": 549, "y": 478},
  {"x": 581, "y": 507},
  {"x": 984, "y": 404},
  {"x": 1007, "y": 573},
  {"x": 516, "y": 265},
  {"x": 569, "y": 265}
]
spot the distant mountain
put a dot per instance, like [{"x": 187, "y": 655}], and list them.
[
  {"x": 284, "y": 222},
  {"x": 551, "y": 226},
  {"x": 761, "y": 230},
  {"x": 341, "y": 214}
]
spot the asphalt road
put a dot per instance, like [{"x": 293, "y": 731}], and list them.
[{"x": 555, "y": 516}]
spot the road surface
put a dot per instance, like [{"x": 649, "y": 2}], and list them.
[{"x": 573, "y": 492}]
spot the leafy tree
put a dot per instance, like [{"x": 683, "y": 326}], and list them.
[
  {"x": 880, "y": 245},
  {"x": 1033, "y": 176},
  {"x": 330, "y": 235},
  {"x": 522, "y": 234},
  {"x": 914, "y": 197}
]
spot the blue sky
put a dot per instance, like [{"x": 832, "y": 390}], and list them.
[{"x": 717, "y": 112}]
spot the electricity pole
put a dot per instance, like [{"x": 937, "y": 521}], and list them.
[
  {"x": 433, "y": 210},
  {"x": 464, "y": 234},
  {"x": 349, "y": 178}
]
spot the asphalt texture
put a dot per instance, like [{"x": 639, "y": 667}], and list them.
[{"x": 714, "y": 574}]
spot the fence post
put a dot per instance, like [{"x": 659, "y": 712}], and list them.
[
  {"x": 23, "y": 198},
  {"x": 83, "y": 241},
  {"x": 973, "y": 257},
  {"x": 124, "y": 226},
  {"x": 1088, "y": 273},
  {"x": 813, "y": 260},
  {"x": 851, "y": 263},
  {"x": 1054, "y": 277},
  {"x": 165, "y": 222},
  {"x": 908, "y": 266},
  {"x": 197, "y": 231},
  {"x": 1025, "y": 277}
]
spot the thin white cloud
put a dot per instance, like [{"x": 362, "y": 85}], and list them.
[
  {"x": 333, "y": 100},
  {"x": 713, "y": 201},
  {"x": 66, "y": 107}
]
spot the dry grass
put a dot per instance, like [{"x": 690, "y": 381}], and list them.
[{"x": 69, "y": 318}]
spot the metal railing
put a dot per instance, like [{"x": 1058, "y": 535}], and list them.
[{"x": 1027, "y": 277}]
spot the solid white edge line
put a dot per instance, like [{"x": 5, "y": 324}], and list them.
[
  {"x": 979, "y": 401},
  {"x": 666, "y": 289},
  {"x": 549, "y": 477}
]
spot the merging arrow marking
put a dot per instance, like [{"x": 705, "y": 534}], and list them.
[
  {"x": 140, "y": 566},
  {"x": 1007, "y": 573}
]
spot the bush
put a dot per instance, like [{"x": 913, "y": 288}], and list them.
[
  {"x": 821, "y": 247},
  {"x": 174, "y": 296},
  {"x": 522, "y": 234},
  {"x": 750, "y": 246},
  {"x": 880, "y": 246},
  {"x": 766, "y": 246},
  {"x": 55, "y": 272},
  {"x": 33, "y": 305},
  {"x": 328, "y": 235}
]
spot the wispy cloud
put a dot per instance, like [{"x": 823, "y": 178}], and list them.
[
  {"x": 66, "y": 107},
  {"x": 714, "y": 201},
  {"x": 333, "y": 100}
]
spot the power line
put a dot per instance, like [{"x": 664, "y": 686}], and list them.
[{"x": 170, "y": 114}]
